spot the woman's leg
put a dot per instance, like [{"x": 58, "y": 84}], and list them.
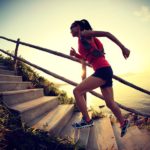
[
  {"x": 109, "y": 99},
  {"x": 86, "y": 85}
]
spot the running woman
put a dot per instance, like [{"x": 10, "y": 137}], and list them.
[{"x": 91, "y": 50}]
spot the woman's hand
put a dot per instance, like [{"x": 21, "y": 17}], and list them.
[
  {"x": 72, "y": 52},
  {"x": 125, "y": 52}
]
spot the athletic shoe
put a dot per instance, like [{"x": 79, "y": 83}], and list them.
[
  {"x": 83, "y": 124},
  {"x": 124, "y": 127}
]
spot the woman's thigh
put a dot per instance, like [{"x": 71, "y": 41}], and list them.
[{"x": 89, "y": 84}]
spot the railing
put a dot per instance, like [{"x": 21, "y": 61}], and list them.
[{"x": 66, "y": 80}]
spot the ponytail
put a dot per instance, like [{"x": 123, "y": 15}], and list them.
[{"x": 86, "y": 24}]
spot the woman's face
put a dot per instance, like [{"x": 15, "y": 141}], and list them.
[{"x": 75, "y": 31}]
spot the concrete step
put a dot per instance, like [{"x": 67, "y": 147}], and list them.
[
  {"x": 69, "y": 132},
  {"x": 20, "y": 96},
  {"x": 10, "y": 78},
  {"x": 102, "y": 136},
  {"x": 134, "y": 139},
  {"x": 7, "y": 72},
  {"x": 3, "y": 67},
  {"x": 33, "y": 109},
  {"x": 10, "y": 86},
  {"x": 55, "y": 120}
]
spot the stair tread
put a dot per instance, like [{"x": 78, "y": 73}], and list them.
[
  {"x": 10, "y": 78},
  {"x": 6, "y": 70},
  {"x": 10, "y": 75},
  {"x": 19, "y": 91},
  {"x": 52, "y": 118},
  {"x": 10, "y": 86},
  {"x": 102, "y": 136},
  {"x": 12, "y": 82},
  {"x": 33, "y": 103},
  {"x": 134, "y": 139},
  {"x": 3, "y": 67}
]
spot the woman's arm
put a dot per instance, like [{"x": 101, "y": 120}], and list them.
[{"x": 88, "y": 33}]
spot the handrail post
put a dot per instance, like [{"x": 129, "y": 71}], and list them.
[
  {"x": 16, "y": 53},
  {"x": 84, "y": 75}
]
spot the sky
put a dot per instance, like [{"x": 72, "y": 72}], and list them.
[{"x": 46, "y": 23}]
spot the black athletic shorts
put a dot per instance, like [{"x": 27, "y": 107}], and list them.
[{"x": 106, "y": 74}]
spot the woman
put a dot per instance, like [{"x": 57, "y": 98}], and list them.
[{"x": 91, "y": 49}]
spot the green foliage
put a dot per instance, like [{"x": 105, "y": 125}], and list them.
[
  {"x": 8, "y": 61},
  {"x": 63, "y": 98}
]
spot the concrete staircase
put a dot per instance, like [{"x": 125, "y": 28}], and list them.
[{"x": 44, "y": 112}]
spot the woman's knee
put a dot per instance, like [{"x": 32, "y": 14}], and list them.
[{"x": 77, "y": 91}]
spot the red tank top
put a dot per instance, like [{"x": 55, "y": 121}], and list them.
[{"x": 97, "y": 62}]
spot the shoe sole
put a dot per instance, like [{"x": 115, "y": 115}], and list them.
[{"x": 87, "y": 126}]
